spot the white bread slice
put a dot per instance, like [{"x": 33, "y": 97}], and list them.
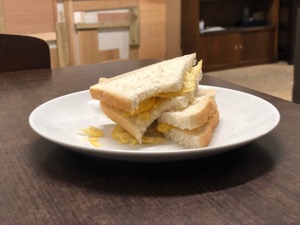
[
  {"x": 210, "y": 92},
  {"x": 192, "y": 126},
  {"x": 137, "y": 127},
  {"x": 196, "y": 138},
  {"x": 193, "y": 116},
  {"x": 128, "y": 90}
]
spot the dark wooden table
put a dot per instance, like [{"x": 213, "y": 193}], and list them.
[{"x": 44, "y": 183}]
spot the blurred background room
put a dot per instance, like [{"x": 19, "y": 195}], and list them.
[{"x": 249, "y": 42}]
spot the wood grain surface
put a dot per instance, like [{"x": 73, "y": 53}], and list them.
[{"x": 44, "y": 183}]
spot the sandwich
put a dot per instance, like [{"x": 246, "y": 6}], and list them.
[
  {"x": 192, "y": 126},
  {"x": 136, "y": 99}
]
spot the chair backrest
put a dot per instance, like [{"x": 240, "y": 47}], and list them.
[
  {"x": 19, "y": 52},
  {"x": 296, "y": 86}
]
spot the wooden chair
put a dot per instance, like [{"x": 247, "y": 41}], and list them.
[
  {"x": 23, "y": 53},
  {"x": 296, "y": 86}
]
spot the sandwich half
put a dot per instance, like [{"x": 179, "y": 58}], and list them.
[
  {"x": 135, "y": 99},
  {"x": 193, "y": 126}
]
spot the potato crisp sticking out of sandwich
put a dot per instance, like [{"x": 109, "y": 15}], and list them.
[{"x": 134, "y": 100}]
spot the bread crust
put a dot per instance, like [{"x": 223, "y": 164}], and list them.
[
  {"x": 196, "y": 115},
  {"x": 127, "y": 123},
  {"x": 193, "y": 126},
  {"x": 196, "y": 138},
  {"x": 118, "y": 101}
]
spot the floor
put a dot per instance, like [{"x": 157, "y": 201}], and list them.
[{"x": 274, "y": 79}]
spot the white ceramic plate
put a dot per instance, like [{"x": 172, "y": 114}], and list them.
[{"x": 243, "y": 118}]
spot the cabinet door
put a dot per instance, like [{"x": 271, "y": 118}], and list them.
[
  {"x": 258, "y": 45},
  {"x": 218, "y": 50}
]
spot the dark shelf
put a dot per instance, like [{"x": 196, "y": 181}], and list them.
[{"x": 239, "y": 30}]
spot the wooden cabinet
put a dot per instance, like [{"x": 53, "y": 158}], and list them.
[
  {"x": 257, "y": 46},
  {"x": 217, "y": 50},
  {"x": 231, "y": 46},
  {"x": 237, "y": 48}
]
